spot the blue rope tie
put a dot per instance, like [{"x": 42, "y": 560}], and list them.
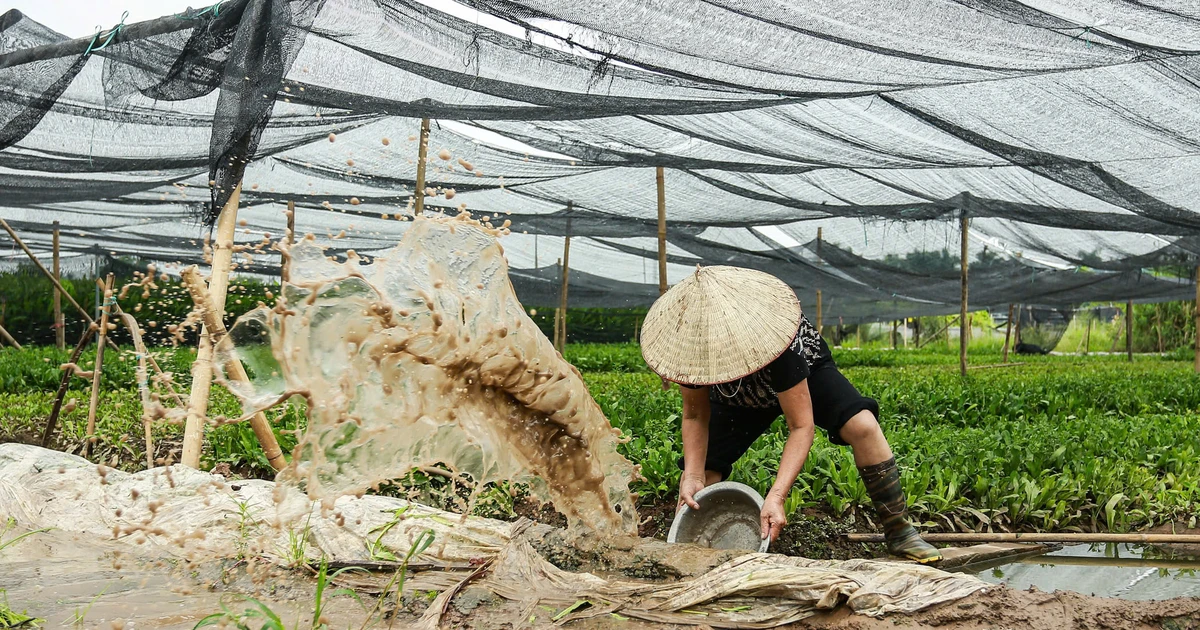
[
  {"x": 216, "y": 8},
  {"x": 112, "y": 34}
]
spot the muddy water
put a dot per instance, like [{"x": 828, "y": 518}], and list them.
[
  {"x": 79, "y": 581},
  {"x": 424, "y": 356},
  {"x": 1124, "y": 571}
]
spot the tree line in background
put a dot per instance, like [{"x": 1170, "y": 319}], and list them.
[{"x": 26, "y": 311}]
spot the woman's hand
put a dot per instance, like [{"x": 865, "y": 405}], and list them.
[
  {"x": 689, "y": 485},
  {"x": 772, "y": 517}
]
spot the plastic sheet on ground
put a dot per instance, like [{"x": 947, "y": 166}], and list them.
[{"x": 193, "y": 514}]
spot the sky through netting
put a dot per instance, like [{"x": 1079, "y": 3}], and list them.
[{"x": 1067, "y": 135}]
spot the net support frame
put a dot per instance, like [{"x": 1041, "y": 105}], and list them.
[
  {"x": 964, "y": 323},
  {"x": 660, "y": 182},
  {"x": 560, "y": 340},
  {"x": 60, "y": 338},
  {"x": 422, "y": 158},
  {"x": 202, "y": 367}
]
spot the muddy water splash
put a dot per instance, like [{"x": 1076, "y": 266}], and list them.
[{"x": 425, "y": 356}]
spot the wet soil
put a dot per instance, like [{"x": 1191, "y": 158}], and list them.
[
  {"x": 813, "y": 533},
  {"x": 64, "y": 577}
]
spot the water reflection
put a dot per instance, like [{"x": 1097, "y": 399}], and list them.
[{"x": 1124, "y": 571}]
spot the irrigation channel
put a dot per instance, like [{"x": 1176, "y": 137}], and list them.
[{"x": 1124, "y": 571}]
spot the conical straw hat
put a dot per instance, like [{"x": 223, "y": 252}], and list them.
[{"x": 718, "y": 325}]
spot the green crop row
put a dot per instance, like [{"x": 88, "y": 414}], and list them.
[
  {"x": 1102, "y": 446},
  {"x": 1056, "y": 443}
]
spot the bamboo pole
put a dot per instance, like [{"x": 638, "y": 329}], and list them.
[
  {"x": 986, "y": 537},
  {"x": 9, "y": 338},
  {"x": 562, "y": 292},
  {"x": 63, "y": 383},
  {"x": 941, "y": 330},
  {"x": 215, "y": 331},
  {"x": 1129, "y": 329},
  {"x": 46, "y": 272},
  {"x": 290, "y": 239},
  {"x": 557, "y": 309},
  {"x": 820, "y": 318},
  {"x": 101, "y": 335},
  {"x": 1008, "y": 332},
  {"x": 964, "y": 323},
  {"x": 422, "y": 153},
  {"x": 1087, "y": 336},
  {"x": 1197, "y": 358},
  {"x": 60, "y": 338},
  {"x": 662, "y": 230},
  {"x": 202, "y": 368}
]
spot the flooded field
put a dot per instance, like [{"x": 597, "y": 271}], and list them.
[{"x": 1124, "y": 571}]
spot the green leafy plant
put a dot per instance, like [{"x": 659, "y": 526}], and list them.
[
  {"x": 10, "y": 525},
  {"x": 10, "y": 618}
]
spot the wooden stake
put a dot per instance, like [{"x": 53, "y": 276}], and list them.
[
  {"x": 1129, "y": 328},
  {"x": 63, "y": 383},
  {"x": 215, "y": 331},
  {"x": 949, "y": 323},
  {"x": 895, "y": 332},
  {"x": 1197, "y": 360},
  {"x": 1087, "y": 336},
  {"x": 566, "y": 274},
  {"x": 290, "y": 239},
  {"x": 557, "y": 309},
  {"x": 101, "y": 335},
  {"x": 662, "y": 230},
  {"x": 917, "y": 332},
  {"x": 9, "y": 338},
  {"x": 819, "y": 312},
  {"x": 1008, "y": 332},
  {"x": 964, "y": 323},
  {"x": 60, "y": 339},
  {"x": 202, "y": 368},
  {"x": 422, "y": 153},
  {"x": 46, "y": 272}
]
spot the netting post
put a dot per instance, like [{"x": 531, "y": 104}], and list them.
[
  {"x": 60, "y": 338},
  {"x": 9, "y": 338},
  {"x": 557, "y": 309},
  {"x": 1129, "y": 329},
  {"x": 1196, "y": 364},
  {"x": 820, "y": 314},
  {"x": 561, "y": 342},
  {"x": 202, "y": 368},
  {"x": 917, "y": 332},
  {"x": 1008, "y": 332},
  {"x": 422, "y": 152},
  {"x": 1087, "y": 336},
  {"x": 215, "y": 331},
  {"x": 98, "y": 368},
  {"x": 963, "y": 322},
  {"x": 895, "y": 332},
  {"x": 820, "y": 311},
  {"x": 662, "y": 230},
  {"x": 290, "y": 238}
]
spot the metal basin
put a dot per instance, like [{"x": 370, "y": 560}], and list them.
[{"x": 728, "y": 518}]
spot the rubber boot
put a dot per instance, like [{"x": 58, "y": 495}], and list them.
[{"x": 883, "y": 485}]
